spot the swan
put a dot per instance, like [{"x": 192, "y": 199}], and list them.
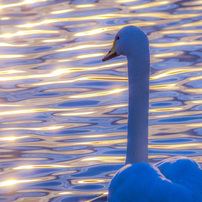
[{"x": 175, "y": 179}]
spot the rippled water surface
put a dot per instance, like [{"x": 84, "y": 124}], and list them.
[{"x": 64, "y": 112}]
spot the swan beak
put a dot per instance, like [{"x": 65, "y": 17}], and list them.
[{"x": 111, "y": 54}]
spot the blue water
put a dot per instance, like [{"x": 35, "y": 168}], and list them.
[{"x": 64, "y": 112}]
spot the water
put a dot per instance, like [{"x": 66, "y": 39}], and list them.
[{"x": 64, "y": 112}]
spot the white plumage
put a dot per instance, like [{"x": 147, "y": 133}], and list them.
[{"x": 176, "y": 179}]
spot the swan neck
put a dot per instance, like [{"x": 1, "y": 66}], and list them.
[{"x": 138, "y": 77}]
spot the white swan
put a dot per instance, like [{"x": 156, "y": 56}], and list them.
[{"x": 175, "y": 179}]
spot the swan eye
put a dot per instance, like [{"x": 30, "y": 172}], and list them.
[{"x": 117, "y": 38}]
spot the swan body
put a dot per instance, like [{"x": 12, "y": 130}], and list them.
[
  {"x": 176, "y": 179},
  {"x": 171, "y": 180}
]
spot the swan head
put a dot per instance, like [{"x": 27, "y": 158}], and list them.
[{"x": 128, "y": 40}]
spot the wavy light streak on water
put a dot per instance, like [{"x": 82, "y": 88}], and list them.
[{"x": 64, "y": 112}]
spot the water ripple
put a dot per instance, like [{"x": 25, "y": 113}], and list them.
[{"x": 64, "y": 113}]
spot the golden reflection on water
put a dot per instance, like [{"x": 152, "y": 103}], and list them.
[
  {"x": 101, "y": 142},
  {"x": 12, "y": 45},
  {"x": 90, "y": 181},
  {"x": 62, "y": 11},
  {"x": 56, "y": 72},
  {"x": 195, "y": 125},
  {"x": 174, "y": 44},
  {"x": 181, "y": 31},
  {"x": 103, "y": 109},
  {"x": 20, "y": 3},
  {"x": 106, "y": 29},
  {"x": 35, "y": 110},
  {"x": 171, "y": 86},
  {"x": 76, "y": 193},
  {"x": 91, "y": 32},
  {"x": 59, "y": 82},
  {"x": 43, "y": 22},
  {"x": 148, "y": 5},
  {"x": 194, "y": 78},
  {"x": 173, "y": 72},
  {"x": 11, "y": 71},
  {"x": 4, "y": 18},
  {"x": 194, "y": 8},
  {"x": 86, "y": 46},
  {"x": 196, "y": 101},
  {"x": 28, "y": 32},
  {"x": 74, "y": 42},
  {"x": 194, "y": 145},
  {"x": 3, "y": 56},
  {"x": 27, "y": 167},
  {"x": 166, "y": 109},
  {"x": 85, "y": 5},
  {"x": 198, "y": 90},
  {"x": 105, "y": 159},
  {"x": 126, "y": 1},
  {"x": 78, "y": 113},
  {"x": 191, "y": 3},
  {"x": 90, "y": 55},
  {"x": 54, "y": 40},
  {"x": 165, "y": 15},
  {"x": 98, "y": 94},
  {"x": 171, "y": 54},
  {"x": 15, "y": 182},
  {"x": 12, "y": 138},
  {"x": 192, "y": 24},
  {"x": 45, "y": 128},
  {"x": 184, "y": 114}
]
